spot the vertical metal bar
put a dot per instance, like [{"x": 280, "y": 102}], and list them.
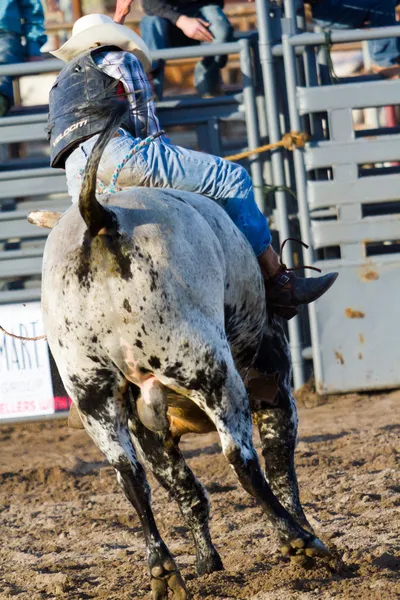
[
  {"x": 323, "y": 62},
  {"x": 366, "y": 55},
  {"x": 214, "y": 136},
  {"x": 295, "y": 124},
  {"x": 250, "y": 111},
  {"x": 290, "y": 11},
  {"x": 312, "y": 81},
  {"x": 263, "y": 127},
  {"x": 267, "y": 64},
  {"x": 76, "y": 9},
  {"x": 373, "y": 113},
  {"x": 289, "y": 57},
  {"x": 261, "y": 112}
]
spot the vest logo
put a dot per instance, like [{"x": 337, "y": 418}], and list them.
[{"x": 68, "y": 130}]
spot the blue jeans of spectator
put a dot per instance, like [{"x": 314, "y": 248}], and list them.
[
  {"x": 160, "y": 33},
  {"x": 162, "y": 165},
  {"x": 11, "y": 51},
  {"x": 350, "y": 14}
]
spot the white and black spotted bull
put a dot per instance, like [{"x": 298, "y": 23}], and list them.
[{"x": 154, "y": 310}]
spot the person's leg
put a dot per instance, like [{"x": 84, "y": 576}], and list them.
[
  {"x": 161, "y": 165},
  {"x": 226, "y": 183},
  {"x": 11, "y": 51},
  {"x": 207, "y": 72},
  {"x": 156, "y": 32},
  {"x": 384, "y": 52},
  {"x": 230, "y": 186},
  {"x": 350, "y": 14}
]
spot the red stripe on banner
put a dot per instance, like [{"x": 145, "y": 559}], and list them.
[{"x": 62, "y": 403}]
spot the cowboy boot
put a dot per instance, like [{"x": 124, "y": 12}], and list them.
[{"x": 285, "y": 292}]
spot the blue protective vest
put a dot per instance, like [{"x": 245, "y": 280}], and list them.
[{"x": 73, "y": 117}]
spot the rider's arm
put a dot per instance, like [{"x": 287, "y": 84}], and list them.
[{"x": 125, "y": 67}]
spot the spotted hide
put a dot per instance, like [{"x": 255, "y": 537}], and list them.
[{"x": 154, "y": 310}]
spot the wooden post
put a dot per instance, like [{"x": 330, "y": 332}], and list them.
[{"x": 77, "y": 9}]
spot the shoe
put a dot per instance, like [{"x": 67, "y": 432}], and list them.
[{"x": 287, "y": 290}]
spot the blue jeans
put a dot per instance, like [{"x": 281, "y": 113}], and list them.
[
  {"x": 160, "y": 33},
  {"x": 162, "y": 165},
  {"x": 11, "y": 51},
  {"x": 350, "y": 14}
]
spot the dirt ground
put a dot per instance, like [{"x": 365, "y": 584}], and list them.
[{"x": 68, "y": 532}]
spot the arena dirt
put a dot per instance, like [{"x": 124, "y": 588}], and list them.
[{"x": 67, "y": 531}]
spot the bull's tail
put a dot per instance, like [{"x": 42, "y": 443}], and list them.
[{"x": 95, "y": 215}]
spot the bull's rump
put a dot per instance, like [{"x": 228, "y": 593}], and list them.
[{"x": 157, "y": 288}]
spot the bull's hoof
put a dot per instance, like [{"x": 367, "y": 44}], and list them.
[
  {"x": 302, "y": 551},
  {"x": 210, "y": 563},
  {"x": 166, "y": 581}
]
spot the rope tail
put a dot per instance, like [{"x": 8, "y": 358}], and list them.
[{"x": 95, "y": 215}]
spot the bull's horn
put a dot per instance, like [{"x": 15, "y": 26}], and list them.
[{"x": 44, "y": 218}]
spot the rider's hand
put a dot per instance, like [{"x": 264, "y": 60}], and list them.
[
  {"x": 121, "y": 10},
  {"x": 194, "y": 28}
]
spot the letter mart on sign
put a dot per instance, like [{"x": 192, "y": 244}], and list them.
[{"x": 26, "y": 387}]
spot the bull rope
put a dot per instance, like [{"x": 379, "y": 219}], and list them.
[
  {"x": 290, "y": 141},
  {"x": 21, "y": 337},
  {"x": 112, "y": 188}
]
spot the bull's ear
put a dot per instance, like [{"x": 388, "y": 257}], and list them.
[{"x": 44, "y": 218}]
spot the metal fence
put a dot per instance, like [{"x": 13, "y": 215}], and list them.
[{"x": 348, "y": 212}]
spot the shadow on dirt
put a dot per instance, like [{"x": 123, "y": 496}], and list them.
[{"x": 309, "y": 439}]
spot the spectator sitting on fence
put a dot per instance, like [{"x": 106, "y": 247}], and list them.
[
  {"x": 176, "y": 23},
  {"x": 106, "y": 60},
  {"x": 21, "y": 37},
  {"x": 338, "y": 14}
]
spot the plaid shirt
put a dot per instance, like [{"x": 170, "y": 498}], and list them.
[{"x": 125, "y": 67}]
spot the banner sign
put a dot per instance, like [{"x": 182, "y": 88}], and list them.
[{"x": 26, "y": 387}]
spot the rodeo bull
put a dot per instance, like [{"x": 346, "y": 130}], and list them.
[{"x": 155, "y": 332}]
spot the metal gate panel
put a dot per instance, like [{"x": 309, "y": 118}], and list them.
[
  {"x": 370, "y": 229},
  {"x": 358, "y": 327},
  {"x": 355, "y": 95},
  {"x": 328, "y": 153},
  {"x": 355, "y": 327},
  {"x": 364, "y": 190}
]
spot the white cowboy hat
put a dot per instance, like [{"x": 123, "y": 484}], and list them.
[{"x": 93, "y": 30}]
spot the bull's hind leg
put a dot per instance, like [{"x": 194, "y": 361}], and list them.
[
  {"x": 103, "y": 399},
  {"x": 277, "y": 424},
  {"x": 166, "y": 462},
  {"x": 227, "y": 404}
]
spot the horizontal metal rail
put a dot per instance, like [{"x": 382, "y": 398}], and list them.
[
  {"x": 337, "y": 36},
  {"x": 52, "y": 65},
  {"x": 349, "y": 96}
]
